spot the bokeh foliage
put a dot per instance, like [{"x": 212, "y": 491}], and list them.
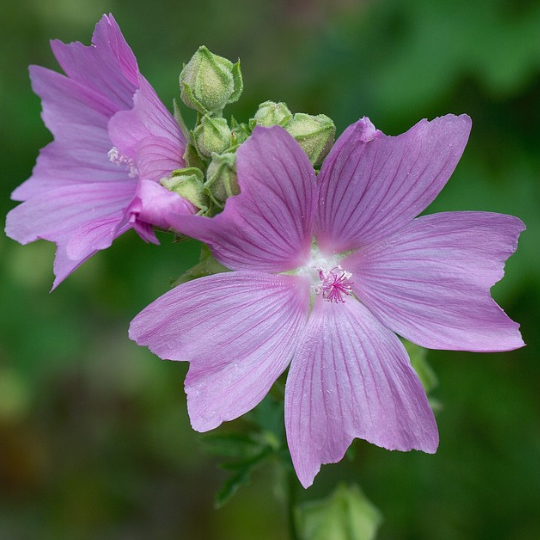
[{"x": 95, "y": 442}]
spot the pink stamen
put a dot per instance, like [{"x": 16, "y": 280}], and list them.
[{"x": 335, "y": 284}]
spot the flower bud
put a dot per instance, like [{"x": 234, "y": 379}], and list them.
[
  {"x": 212, "y": 135},
  {"x": 208, "y": 82},
  {"x": 221, "y": 180},
  {"x": 315, "y": 134},
  {"x": 188, "y": 183},
  {"x": 270, "y": 113}
]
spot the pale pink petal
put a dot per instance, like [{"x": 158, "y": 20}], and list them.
[
  {"x": 108, "y": 66},
  {"x": 351, "y": 377},
  {"x": 80, "y": 219},
  {"x": 268, "y": 227},
  {"x": 431, "y": 281},
  {"x": 77, "y": 117},
  {"x": 149, "y": 134},
  {"x": 238, "y": 331},
  {"x": 372, "y": 184}
]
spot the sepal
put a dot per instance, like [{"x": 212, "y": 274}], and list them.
[
  {"x": 315, "y": 134},
  {"x": 188, "y": 183}
]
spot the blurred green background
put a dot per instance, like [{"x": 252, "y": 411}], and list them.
[{"x": 95, "y": 442}]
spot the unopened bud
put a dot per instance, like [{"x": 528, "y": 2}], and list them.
[
  {"x": 315, "y": 134},
  {"x": 209, "y": 82},
  {"x": 270, "y": 113},
  {"x": 188, "y": 183},
  {"x": 221, "y": 180},
  {"x": 212, "y": 135}
]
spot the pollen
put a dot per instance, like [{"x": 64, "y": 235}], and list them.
[
  {"x": 116, "y": 157},
  {"x": 334, "y": 284}
]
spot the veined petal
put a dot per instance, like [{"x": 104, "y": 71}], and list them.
[
  {"x": 79, "y": 219},
  {"x": 238, "y": 331},
  {"x": 351, "y": 377},
  {"x": 149, "y": 135},
  {"x": 373, "y": 184},
  {"x": 77, "y": 117},
  {"x": 431, "y": 281},
  {"x": 267, "y": 227},
  {"x": 108, "y": 66}
]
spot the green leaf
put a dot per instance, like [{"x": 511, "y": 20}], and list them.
[
  {"x": 419, "y": 363},
  {"x": 241, "y": 474},
  {"x": 346, "y": 515},
  {"x": 233, "y": 445}
]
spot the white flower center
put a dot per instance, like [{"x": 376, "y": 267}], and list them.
[
  {"x": 116, "y": 157},
  {"x": 327, "y": 277}
]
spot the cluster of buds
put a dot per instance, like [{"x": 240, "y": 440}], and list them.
[{"x": 208, "y": 83}]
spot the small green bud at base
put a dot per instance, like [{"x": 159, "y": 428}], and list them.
[
  {"x": 221, "y": 180},
  {"x": 315, "y": 134},
  {"x": 239, "y": 132},
  {"x": 188, "y": 183},
  {"x": 212, "y": 135},
  {"x": 209, "y": 82},
  {"x": 270, "y": 113}
]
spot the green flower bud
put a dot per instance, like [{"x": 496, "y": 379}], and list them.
[
  {"x": 239, "y": 132},
  {"x": 315, "y": 134},
  {"x": 208, "y": 82},
  {"x": 188, "y": 183},
  {"x": 212, "y": 135},
  {"x": 270, "y": 113},
  {"x": 221, "y": 180}
]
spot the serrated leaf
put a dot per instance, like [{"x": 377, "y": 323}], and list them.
[
  {"x": 243, "y": 471},
  {"x": 232, "y": 445},
  {"x": 346, "y": 515}
]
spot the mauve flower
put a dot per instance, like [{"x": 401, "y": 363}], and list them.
[
  {"x": 325, "y": 271},
  {"x": 113, "y": 141}
]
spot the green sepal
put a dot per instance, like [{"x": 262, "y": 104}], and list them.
[
  {"x": 221, "y": 182},
  {"x": 188, "y": 97},
  {"x": 193, "y": 159},
  {"x": 188, "y": 183},
  {"x": 212, "y": 135},
  {"x": 271, "y": 113},
  {"x": 238, "y": 82},
  {"x": 347, "y": 514},
  {"x": 180, "y": 120},
  {"x": 240, "y": 133},
  {"x": 315, "y": 134},
  {"x": 207, "y": 266}
]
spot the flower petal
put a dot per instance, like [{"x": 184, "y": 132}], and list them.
[
  {"x": 108, "y": 66},
  {"x": 85, "y": 217},
  {"x": 155, "y": 204},
  {"x": 372, "y": 184},
  {"x": 268, "y": 227},
  {"x": 431, "y": 281},
  {"x": 149, "y": 134},
  {"x": 238, "y": 330},
  {"x": 77, "y": 117},
  {"x": 351, "y": 377}
]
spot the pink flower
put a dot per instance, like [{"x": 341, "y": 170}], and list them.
[
  {"x": 113, "y": 141},
  {"x": 324, "y": 271}
]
